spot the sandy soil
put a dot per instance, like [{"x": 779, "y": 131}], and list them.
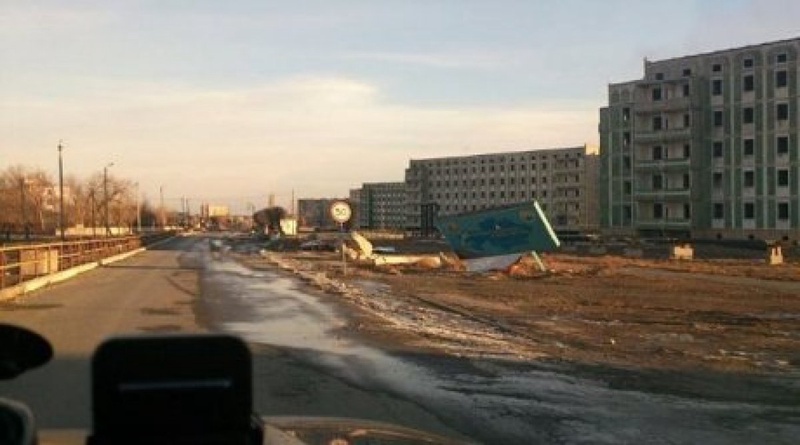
[{"x": 720, "y": 315}]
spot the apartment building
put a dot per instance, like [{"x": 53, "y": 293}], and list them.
[
  {"x": 705, "y": 146},
  {"x": 563, "y": 180},
  {"x": 380, "y": 205}
]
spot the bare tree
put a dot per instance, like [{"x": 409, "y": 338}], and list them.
[{"x": 28, "y": 196}]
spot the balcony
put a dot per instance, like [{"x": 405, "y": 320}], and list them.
[
  {"x": 663, "y": 164},
  {"x": 664, "y": 223},
  {"x": 663, "y": 194},
  {"x": 663, "y": 106},
  {"x": 673, "y": 134}
]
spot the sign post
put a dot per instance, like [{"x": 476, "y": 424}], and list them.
[{"x": 341, "y": 212}]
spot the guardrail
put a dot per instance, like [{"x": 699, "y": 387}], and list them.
[{"x": 21, "y": 263}]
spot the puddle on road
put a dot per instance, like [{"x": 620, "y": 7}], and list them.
[{"x": 492, "y": 401}]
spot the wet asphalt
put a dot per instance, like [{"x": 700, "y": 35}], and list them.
[{"x": 306, "y": 366}]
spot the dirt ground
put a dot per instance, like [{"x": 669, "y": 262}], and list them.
[{"x": 730, "y": 315}]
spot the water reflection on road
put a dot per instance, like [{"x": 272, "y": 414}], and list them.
[{"x": 492, "y": 401}]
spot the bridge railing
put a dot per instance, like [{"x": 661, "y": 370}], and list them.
[{"x": 20, "y": 263}]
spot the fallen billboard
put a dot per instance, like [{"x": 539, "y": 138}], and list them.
[{"x": 497, "y": 232}]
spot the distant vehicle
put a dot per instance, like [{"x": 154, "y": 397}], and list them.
[{"x": 384, "y": 249}]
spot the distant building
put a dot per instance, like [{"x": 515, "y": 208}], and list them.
[
  {"x": 315, "y": 213},
  {"x": 210, "y": 211},
  {"x": 355, "y": 203},
  {"x": 705, "y": 146},
  {"x": 563, "y": 180},
  {"x": 380, "y": 205}
]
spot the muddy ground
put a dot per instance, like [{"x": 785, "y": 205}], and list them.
[{"x": 740, "y": 316}]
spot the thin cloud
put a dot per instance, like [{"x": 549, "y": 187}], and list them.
[
  {"x": 334, "y": 133},
  {"x": 483, "y": 60}
]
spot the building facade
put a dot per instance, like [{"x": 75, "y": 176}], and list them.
[
  {"x": 563, "y": 180},
  {"x": 380, "y": 205},
  {"x": 705, "y": 146}
]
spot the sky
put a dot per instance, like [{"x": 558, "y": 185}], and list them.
[{"x": 228, "y": 102}]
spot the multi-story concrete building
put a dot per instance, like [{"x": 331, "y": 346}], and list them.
[
  {"x": 355, "y": 205},
  {"x": 562, "y": 180},
  {"x": 705, "y": 146},
  {"x": 380, "y": 205}
]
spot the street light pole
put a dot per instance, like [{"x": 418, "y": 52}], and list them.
[
  {"x": 138, "y": 210},
  {"x": 105, "y": 195},
  {"x": 24, "y": 210},
  {"x": 161, "y": 209},
  {"x": 61, "y": 193}
]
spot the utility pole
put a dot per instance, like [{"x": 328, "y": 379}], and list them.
[
  {"x": 93, "y": 219},
  {"x": 23, "y": 207},
  {"x": 138, "y": 210},
  {"x": 105, "y": 196},
  {"x": 163, "y": 216},
  {"x": 61, "y": 224}
]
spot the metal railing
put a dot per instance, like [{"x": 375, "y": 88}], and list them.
[{"x": 24, "y": 262}]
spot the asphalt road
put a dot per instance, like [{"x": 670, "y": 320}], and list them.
[{"x": 159, "y": 291}]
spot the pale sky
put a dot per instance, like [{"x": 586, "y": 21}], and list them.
[{"x": 229, "y": 101}]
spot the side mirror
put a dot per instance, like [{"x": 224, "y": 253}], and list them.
[{"x": 21, "y": 350}]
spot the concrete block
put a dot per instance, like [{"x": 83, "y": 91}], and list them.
[
  {"x": 774, "y": 255},
  {"x": 682, "y": 252}
]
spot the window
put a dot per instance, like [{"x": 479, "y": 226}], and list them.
[
  {"x": 717, "y": 149},
  {"x": 749, "y": 147},
  {"x": 782, "y": 145},
  {"x": 748, "y": 83},
  {"x": 657, "y": 93},
  {"x": 716, "y": 87},
  {"x": 657, "y": 123},
  {"x": 659, "y": 76},
  {"x": 783, "y": 178},
  {"x": 658, "y": 182},
  {"x": 687, "y": 151},
  {"x": 687, "y": 120},
  {"x": 626, "y": 114},
  {"x": 686, "y": 90},
  {"x": 718, "y": 118},
  {"x": 687, "y": 72},
  {"x": 748, "y": 62},
  {"x": 749, "y": 179},
  {"x": 782, "y": 112},
  {"x": 719, "y": 210},
  {"x": 780, "y": 58},
  {"x": 781, "y": 79},
  {"x": 716, "y": 67},
  {"x": 687, "y": 211},
  {"x": 783, "y": 211},
  {"x": 748, "y": 115},
  {"x": 658, "y": 210},
  {"x": 626, "y": 187},
  {"x": 626, "y": 140},
  {"x": 749, "y": 210},
  {"x": 687, "y": 181},
  {"x": 717, "y": 180},
  {"x": 657, "y": 152}
]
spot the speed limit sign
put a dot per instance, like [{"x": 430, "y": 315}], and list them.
[{"x": 341, "y": 211}]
